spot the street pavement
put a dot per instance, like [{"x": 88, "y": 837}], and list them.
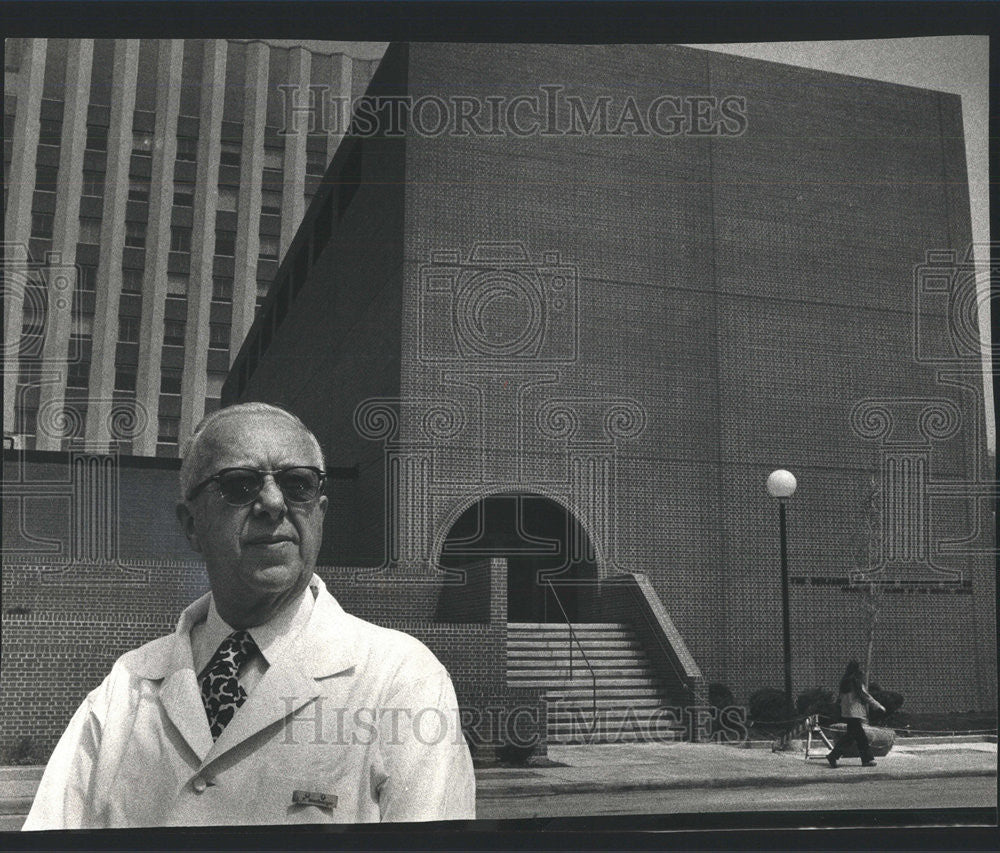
[
  {"x": 662, "y": 766},
  {"x": 618, "y": 769}
]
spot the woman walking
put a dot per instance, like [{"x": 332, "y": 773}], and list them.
[{"x": 854, "y": 702}]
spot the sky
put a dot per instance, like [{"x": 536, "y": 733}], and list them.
[{"x": 956, "y": 64}]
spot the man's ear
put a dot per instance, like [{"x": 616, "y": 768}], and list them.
[
  {"x": 186, "y": 519},
  {"x": 323, "y": 501}
]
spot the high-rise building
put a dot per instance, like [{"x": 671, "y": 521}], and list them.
[{"x": 152, "y": 188}]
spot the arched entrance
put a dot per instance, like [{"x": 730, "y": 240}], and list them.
[{"x": 549, "y": 555}]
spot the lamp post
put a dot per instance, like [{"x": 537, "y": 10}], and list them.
[{"x": 781, "y": 485}]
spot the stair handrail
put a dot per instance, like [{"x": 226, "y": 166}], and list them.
[
  {"x": 675, "y": 656},
  {"x": 573, "y": 639}
]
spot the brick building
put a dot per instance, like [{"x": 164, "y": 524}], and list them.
[
  {"x": 554, "y": 348},
  {"x": 630, "y": 325},
  {"x": 159, "y": 174}
]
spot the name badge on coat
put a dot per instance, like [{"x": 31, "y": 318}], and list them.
[{"x": 314, "y": 798}]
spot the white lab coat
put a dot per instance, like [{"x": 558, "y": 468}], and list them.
[{"x": 361, "y": 720}]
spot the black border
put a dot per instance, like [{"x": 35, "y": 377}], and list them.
[{"x": 572, "y": 21}]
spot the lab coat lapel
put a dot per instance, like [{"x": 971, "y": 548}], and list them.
[
  {"x": 182, "y": 702},
  {"x": 179, "y": 693}
]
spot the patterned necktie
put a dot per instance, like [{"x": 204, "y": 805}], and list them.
[{"x": 220, "y": 687}]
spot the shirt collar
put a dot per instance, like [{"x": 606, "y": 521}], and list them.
[{"x": 271, "y": 637}]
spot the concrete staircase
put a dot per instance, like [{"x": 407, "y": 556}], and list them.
[{"x": 630, "y": 700}]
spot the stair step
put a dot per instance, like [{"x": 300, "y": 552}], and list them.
[
  {"x": 11, "y": 822},
  {"x": 561, "y": 626},
  {"x": 516, "y": 647},
  {"x": 622, "y": 737},
  {"x": 606, "y": 703},
  {"x": 579, "y": 673},
  {"x": 617, "y": 694},
  {"x": 550, "y": 662},
  {"x": 582, "y": 635}
]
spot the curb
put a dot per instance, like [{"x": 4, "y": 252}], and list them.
[{"x": 530, "y": 789}]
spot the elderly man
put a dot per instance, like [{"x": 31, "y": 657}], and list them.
[{"x": 269, "y": 703}]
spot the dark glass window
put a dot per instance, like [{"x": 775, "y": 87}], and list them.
[
  {"x": 125, "y": 380},
  {"x": 135, "y": 234},
  {"x": 41, "y": 225},
  {"x": 170, "y": 381},
  {"x": 79, "y": 375},
  {"x": 86, "y": 278},
  {"x": 97, "y": 137},
  {"x": 46, "y": 178},
  {"x": 187, "y": 148},
  {"x": 230, "y": 154},
  {"x": 225, "y": 242},
  {"x": 222, "y": 288},
  {"x": 218, "y": 336},
  {"x": 138, "y": 189},
  {"x": 90, "y": 230},
  {"x": 169, "y": 429},
  {"x": 131, "y": 281},
  {"x": 180, "y": 239},
  {"x": 268, "y": 247},
  {"x": 93, "y": 183},
  {"x": 49, "y": 131},
  {"x": 173, "y": 333},
  {"x": 128, "y": 329},
  {"x": 142, "y": 143}
]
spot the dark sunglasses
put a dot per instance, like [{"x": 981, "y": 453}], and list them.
[{"x": 240, "y": 486}]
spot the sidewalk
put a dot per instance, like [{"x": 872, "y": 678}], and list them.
[{"x": 659, "y": 766}]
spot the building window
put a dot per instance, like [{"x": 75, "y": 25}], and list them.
[
  {"x": 225, "y": 242},
  {"x": 41, "y": 225},
  {"x": 268, "y": 247},
  {"x": 90, "y": 230},
  {"x": 138, "y": 189},
  {"x": 142, "y": 143},
  {"x": 78, "y": 375},
  {"x": 83, "y": 326},
  {"x": 218, "y": 336},
  {"x": 270, "y": 202},
  {"x": 169, "y": 429},
  {"x": 97, "y": 137},
  {"x": 230, "y": 154},
  {"x": 227, "y": 199},
  {"x": 170, "y": 381},
  {"x": 315, "y": 162},
  {"x": 177, "y": 284},
  {"x": 180, "y": 239},
  {"x": 86, "y": 278},
  {"x": 45, "y": 178},
  {"x": 131, "y": 281},
  {"x": 213, "y": 389},
  {"x": 173, "y": 333},
  {"x": 128, "y": 330},
  {"x": 135, "y": 234},
  {"x": 183, "y": 195},
  {"x": 27, "y": 421},
  {"x": 49, "y": 131},
  {"x": 222, "y": 288},
  {"x": 187, "y": 148},
  {"x": 273, "y": 157},
  {"x": 124, "y": 380},
  {"x": 93, "y": 183}
]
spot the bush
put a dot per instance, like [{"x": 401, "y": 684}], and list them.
[
  {"x": 893, "y": 702},
  {"x": 818, "y": 700},
  {"x": 769, "y": 705}
]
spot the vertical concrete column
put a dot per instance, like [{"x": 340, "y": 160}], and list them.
[
  {"x": 293, "y": 206},
  {"x": 206, "y": 195},
  {"x": 17, "y": 221},
  {"x": 251, "y": 175},
  {"x": 338, "y": 112},
  {"x": 66, "y": 231},
  {"x": 109, "y": 266},
  {"x": 170, "y": 62}
]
